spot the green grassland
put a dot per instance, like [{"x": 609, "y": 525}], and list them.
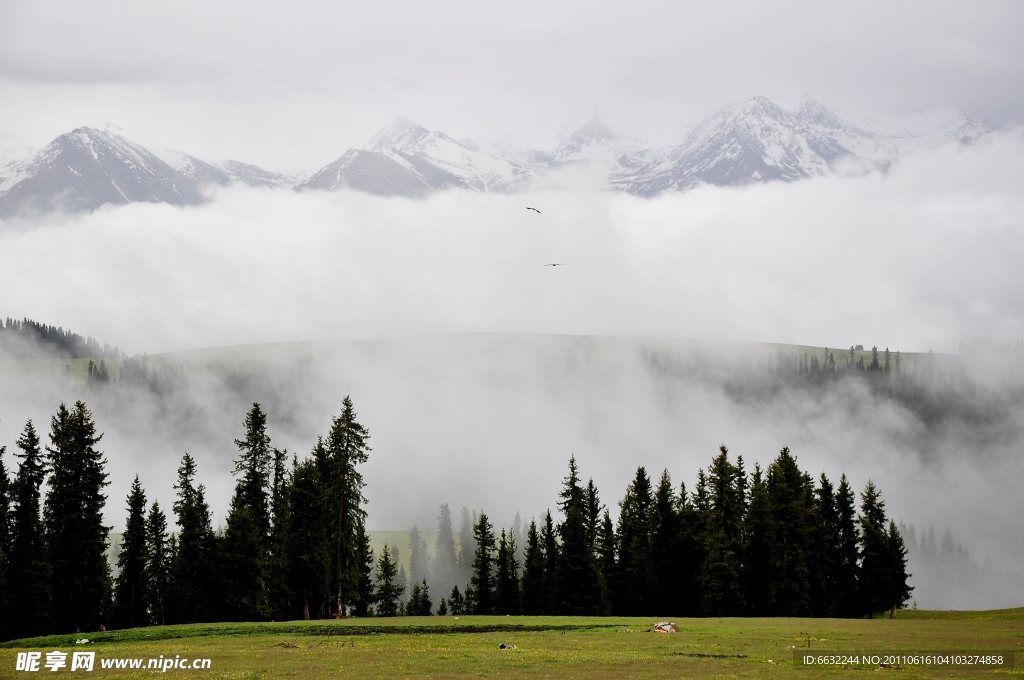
[{"x": 544, "y": 647}]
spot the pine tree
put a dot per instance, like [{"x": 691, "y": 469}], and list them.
[
  {"x": 876, "y": 557},
  {"x": 456, "y": 602},
  {"x": 347, "y": 447},
  {"x": 690, "y": 554},
  {"x": 897, "y": 588},
  {"x": 665, "y": 545},
  {"x": 29, "y": 568},
  {"x": 158, "y": 566},
  {"x": 482, "y": 582},
  {"x": 721, "y": 594},
  {"x": 789, "y": 496},
  {"x": 606, "y": 564},
  {"x": 444, "y": 570},
  {"x": 73, "y": 516},
  {"x": 246, "y": 537},
  {"x": 576, "y": 586},
  {"x": 309, "y": 537},
  {"x": 827, "y": 548},
  {"x": 845, "y": 566},
  {"x": 389, "y": 590},
  {"x": 592, "y": 513},
  {"x": 635, "y": 569},
  {"x": 419, "y": 603},
  {"x": 193, "y": 563},
  {"x": 507, "y": 596},
  {"x": 130, "y": 585},
  {"x": 549, "y": 543},
  {"x": 281, "y": 600},
  {"x": 757, "y": 548},
  {"x": 533, "y": 573}
]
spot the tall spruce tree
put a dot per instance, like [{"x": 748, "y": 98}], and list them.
[
  {"x": 482, "y": 582},
  {"x": 897, "y": 588},
  {"x": 245, "y": 566},
  {"x": 281, "y": 600},
  {"x": 533, "y": 573},
  {"x": 348, "y": 448},
  {"x": 193, "y": 563},
  {"x": 690, "y": 555},
  {"x": 309, "y": 539},
  {"x": 846, "y": 564},
  {"x": 635, "y": 587},
  {"x": 665, "y": 545},
  {"x": 507, "y": 596},
  {"x": 757, "y": 550},
  {"x": 444, "y": 571},
  {"x": 791, "y": 502},
  {"x": 389, "y": 589},
  {"x": 721, "y": 594},
  {"x": 158, "y": 566},
  {"x": 827, "y": 546},
  {"x": 29, "y": 568},
  {"x": 73, "y": 517},
  {"x": 549, "y": 543},
  {"x": 577, "y": 586},
  {"x": 876, "y": 560},
  {"x": 606, "y": 564},
  {"x": 130, "y": 585}
]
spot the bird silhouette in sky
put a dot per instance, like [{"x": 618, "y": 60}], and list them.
[
  {"x": 533, "y": 209},
  {"x": 554, "y": 264}
]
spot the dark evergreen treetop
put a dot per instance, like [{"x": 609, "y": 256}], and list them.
[
  {"x": 73, "y": 516},
  {"x": 28, "y": 566},
  {"x": 130, "y": 585},
  {"x": 253, "y": 466},
  {"x": 347, "y": 448},
  {"x": 389, "y": 590},
  {"x": 483, "y": 566}
]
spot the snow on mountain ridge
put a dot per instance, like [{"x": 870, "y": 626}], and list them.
[{"x": 757, "y": 141}]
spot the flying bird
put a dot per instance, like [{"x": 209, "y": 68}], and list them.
[
  {"x": 554, "y": 264},
  {"x": 533, "y": 209}
]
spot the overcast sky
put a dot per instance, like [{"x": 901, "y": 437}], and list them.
[{"x": 294, "y": 84}]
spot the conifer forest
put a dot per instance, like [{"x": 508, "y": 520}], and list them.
[{"x": 772, "y": 541}]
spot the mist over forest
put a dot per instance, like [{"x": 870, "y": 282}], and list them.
[{"x": 488, "y": 421}]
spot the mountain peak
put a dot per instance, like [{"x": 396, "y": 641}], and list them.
[{"x": 399, "y": 135}]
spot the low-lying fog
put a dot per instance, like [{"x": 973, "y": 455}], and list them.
[{"x": 466, "y": 407}]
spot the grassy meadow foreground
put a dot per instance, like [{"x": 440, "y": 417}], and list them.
[{"x": 543, "y": 647}]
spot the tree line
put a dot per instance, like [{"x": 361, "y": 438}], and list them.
[
  {"x": 56, "y": 340},
  {"x": 771, "y": 543},
  {"x": 295, "y": 545}
]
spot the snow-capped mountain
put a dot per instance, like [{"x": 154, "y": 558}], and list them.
[
  {"x": 88, "y": 167},
  {"x": 758, "y": 141},
  {"x": 409, "y": 160}
]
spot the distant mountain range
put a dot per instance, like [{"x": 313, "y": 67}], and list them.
[{"x": 759, "y": 141}]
